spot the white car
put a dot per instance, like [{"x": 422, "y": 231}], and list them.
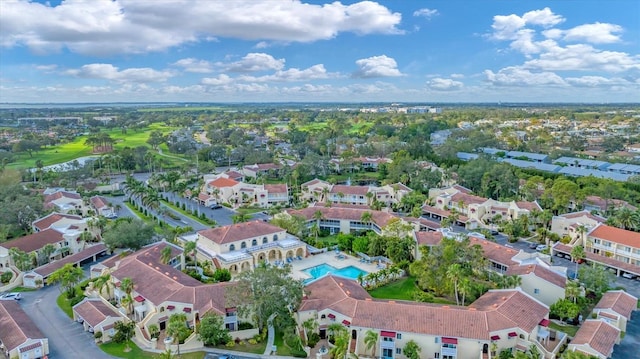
[
  {"x": 11, "y": 296},
  {"x": 541, "y": 247}
]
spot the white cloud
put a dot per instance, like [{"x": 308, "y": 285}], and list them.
[
  {"x": 254, "y": 62},
  {"x": 598, "y": 33},
  {"x": 194, "y": 65},
  {"x": 440, "y": 84},
  {"x": 583, "y": 57},
  {"x": 130, "y": 26},
  {"x": 112, "y": 73},
  {"x": 219, "y": 80},
  {"x": 596, "y": 81},
  {"x": 517, "y": 76},
  {"x": 314, "y": 72},
  {"x": 426, "y": 13},
  {"x": 506, "y": 27},
  {"x": 377, "y": 66},
  {"x": 457, "y": 76}
]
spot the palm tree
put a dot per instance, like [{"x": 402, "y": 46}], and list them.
[
  {"x": 581, "y": 230},
  {"x": 104, "y": 282},
  {"x": 177, "y": 328},
  {"x": 309, "y": 325},
  {"x": 127, "y": 286},
  {"x": 577, "y": 255},
  {"x": 464, "y": 288},
  {"x": 165, "y": 255},
  {"x": 454, "y": 274},
  {"x": 167, "y": 354},
  {"x": 341, "y": 344},
  {"x": 371, "y": 341},
  {"x": 366, "y": 217},
  {"x": 572, "y": 290},
  {"x": 191, "y": 248}
]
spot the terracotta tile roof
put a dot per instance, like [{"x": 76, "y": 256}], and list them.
[
  {"x": 378, "y": 217},
  {"x": 619, "y": 302},
  {"x": 222, "y": 182},
  {"x": 35, "y": 241},
  {"x": 276, "y": 188},
  {"x": 539, "y": 271},
  {"x": 598, "y": 335},
  {"x": 61, "y": 194},
  {"x": 263, "y": 167},
  {"x": 336, "y": 293},
  {"x": 350, "y": 190},
  {"x": 239, "y": 231},
  {"x": 15, "y": 325},
  {"x": 203, "y": 196},
  {"x": 158, "y": 282},
  {"x": 584, "y": 214},
  {"x": 428, "y": 238},
  {"x": 99, "y": 202},
  {"x": 46, "y": 222},
  {"x": 94, "y": 311},
  {"x": 428, "y": 223},
  {"x": 504, "y": 306},
  {"x": 234, "y": 175},
  {"x": 495, "y": 252},
  {"x": 314, "y": 181},
  {"x": 601, "y": 203},
  {"x": 461, "y": 189},
  {"x": 530, "y": 206},
  {"x": 430, "y": 209},
  {"x": 467, "y": 199},
  {"x": 89, "y": 252},
  {"x": 616, "y": 235}
]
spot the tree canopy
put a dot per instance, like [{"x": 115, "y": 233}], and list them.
[{"x": 134, "y": 235}]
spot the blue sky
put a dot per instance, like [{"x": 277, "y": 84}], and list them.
[{"x": 314, "y": 51}]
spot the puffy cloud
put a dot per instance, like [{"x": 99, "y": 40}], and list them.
[
  {"x": 506, "y": 27},
  {"x": 112, "y": 73},
  {"x": 598, "y": 33},
  {"x": 581, "y": 57},
  {"x": 130, "y": 26},
  {"x": 219, "y": 80},
  {"x": 457, "y": 76},
  {"x": 596, "y": 81},
  {"x": 426, "y": 13},
  {"x": 254, "y": 62},
  {"x": 517, "y": 76},
  {"x": 194, "y": 65},
  {"x": 440, "y": 84},
  {"x": 377, "y": 66},
  {"x": 314, "y": 72}
]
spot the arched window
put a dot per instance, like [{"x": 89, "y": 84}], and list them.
[
  {"x": 232, "y": 247},
  {"x": 275, "y": 237},
  {"x": 243, "y": 245},
  {"x": 265, "y": 240},
  {"x": 254, "y": 242}
]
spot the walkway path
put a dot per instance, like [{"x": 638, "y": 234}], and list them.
[{"x": 271, "y": 335}]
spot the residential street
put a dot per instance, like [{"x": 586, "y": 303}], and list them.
[{"x": 67, "y": 339}]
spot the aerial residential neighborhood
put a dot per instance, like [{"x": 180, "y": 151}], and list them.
[{"x": 319, "y": 179}]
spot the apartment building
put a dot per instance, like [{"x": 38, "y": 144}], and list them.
[{"x": 19, "y": 336}]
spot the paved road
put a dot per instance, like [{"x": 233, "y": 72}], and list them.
[
  {"x": 628, "y": 348},
  {"x": 67, "y": 339}
]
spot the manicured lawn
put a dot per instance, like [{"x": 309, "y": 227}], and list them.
[
  {"x": 401, "y": 289},
  {"x": 180, "y": 210},
  {"x": 282, "y": 349},
  {"x": 65, "y": 304},
  {"x": 569, "y": 329},
  {"x": 117, "y": 349},
  {"x": 249, "y": 210},
  {"x": 23, "y": 289},
  {"x": 247, "y": 348}
]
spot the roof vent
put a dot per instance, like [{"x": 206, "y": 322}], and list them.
[
  {"x": 175, "y": 278},
  {"x": 392, "y": 302},
  {"x": 167, "y": 273},
  {"x": 445, "y": 307},
  {"x": 472, "y": 309},
  {"x": 368, "y": 299},
  {"x": 504, "y": 298},
  {"x": 341, "y": 284}
]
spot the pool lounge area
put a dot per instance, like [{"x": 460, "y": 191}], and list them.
[{"x": 315, "y": 266}]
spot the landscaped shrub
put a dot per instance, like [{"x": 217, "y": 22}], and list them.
[
  {"x": 253, "y": 341},
  {"x": 77, "y": 299},
  {"x": 230, "y": 344},
  {"x": 98, "y": 335},
  {"x": 244, "y": 326},
  {"x": 6, "y": 277},
  {"x": 222, "y": 275},
  {"x": 314, "y": 338},
  {"x": 298, "y": 353}
]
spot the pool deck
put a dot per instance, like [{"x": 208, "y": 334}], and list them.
[{"x": 330, "y": 258}]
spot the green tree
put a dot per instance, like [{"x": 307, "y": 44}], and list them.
[
  {"x": 124, "y": 332},
  {"x": 564, "y": 309},
  {"x": 165, "y": 255},
  {"x": 572, "y": 290},
  {"x": 241, "y": 217},
  {"x": 577, "y": 254},
  {"x": 569, "y": 354},
  {"x": 127, "y": 286},
  {"x": 412, "y": 350},
  {"x": 20, "y": 259},
  {"x": 133, "y": 235},
  {"x": 371, "y": 341},
  {"x": 596, "y": 278},
  {"x": 178, "y": 329},
  {"x": 68, "y": 277},
  {"x": 211, "y": 330},
  {"x": 265, "y": 291}
]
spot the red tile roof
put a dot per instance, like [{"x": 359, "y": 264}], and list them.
[
  {"x": 338, "y": 213},
  {"x": 223, "y": 182},
  {"x": 530, "y": 206},
  {"x": 598, "y": 335},
  {"x": 619, "y": 302},
  {"x": 99, "y": 202},
  {"x": 350, "y": 190},
  {"x": 61, "y": 194},
  {"x": 276, "y": 188},
  {"x": 239, "y": 231},
  {"x": 539, "y": 271},
  {"x": 15, "y": 325},
  {"x": 35, "y": 241},
  {"x": 495, "y": 252},
  {"x": 584, "y": 214},
  {"x": 429, "y": 238},
  {"x": 592, "y": 257},
  {"x": 89, "y": 252},
  {"x": 46, "y": 222},
  {"x": 467, "y": 199},
  {"x": 616, "y": 235},
  {"x": 94, "y": 311}
]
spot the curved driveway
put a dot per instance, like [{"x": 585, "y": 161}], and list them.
[{"x": 67, "y": 339}]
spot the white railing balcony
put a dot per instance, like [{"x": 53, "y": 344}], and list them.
[{"x": 448, "y": 351}]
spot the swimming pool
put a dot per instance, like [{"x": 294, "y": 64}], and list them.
[{"x": 321, "y": 270}]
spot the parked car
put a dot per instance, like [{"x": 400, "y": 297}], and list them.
[
  {"x": 533, "y": 245},
  {"x": 541, "y": 247},
  {"x": 215, "y": 206},
  {"x": 629, "y": 276},
  {"x": 11, "y": 296}
]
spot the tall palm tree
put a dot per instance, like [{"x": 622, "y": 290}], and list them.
[
  {"x": 371, "y": 341},
  {"x": 572, "y": 290},
  {"x": 577, "y": 254},
  {"x": 454, "y": 274},
  {"x": 310, "y": 325},
  {"x": 127, "y": 286},
  {"x": 191, "y": 248},
  {"x": 177, "y": 328},
  {"x": 103, "y": 283},
  {"x": 165, "y": 255},
  {"x": 341, "y": 345}
]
